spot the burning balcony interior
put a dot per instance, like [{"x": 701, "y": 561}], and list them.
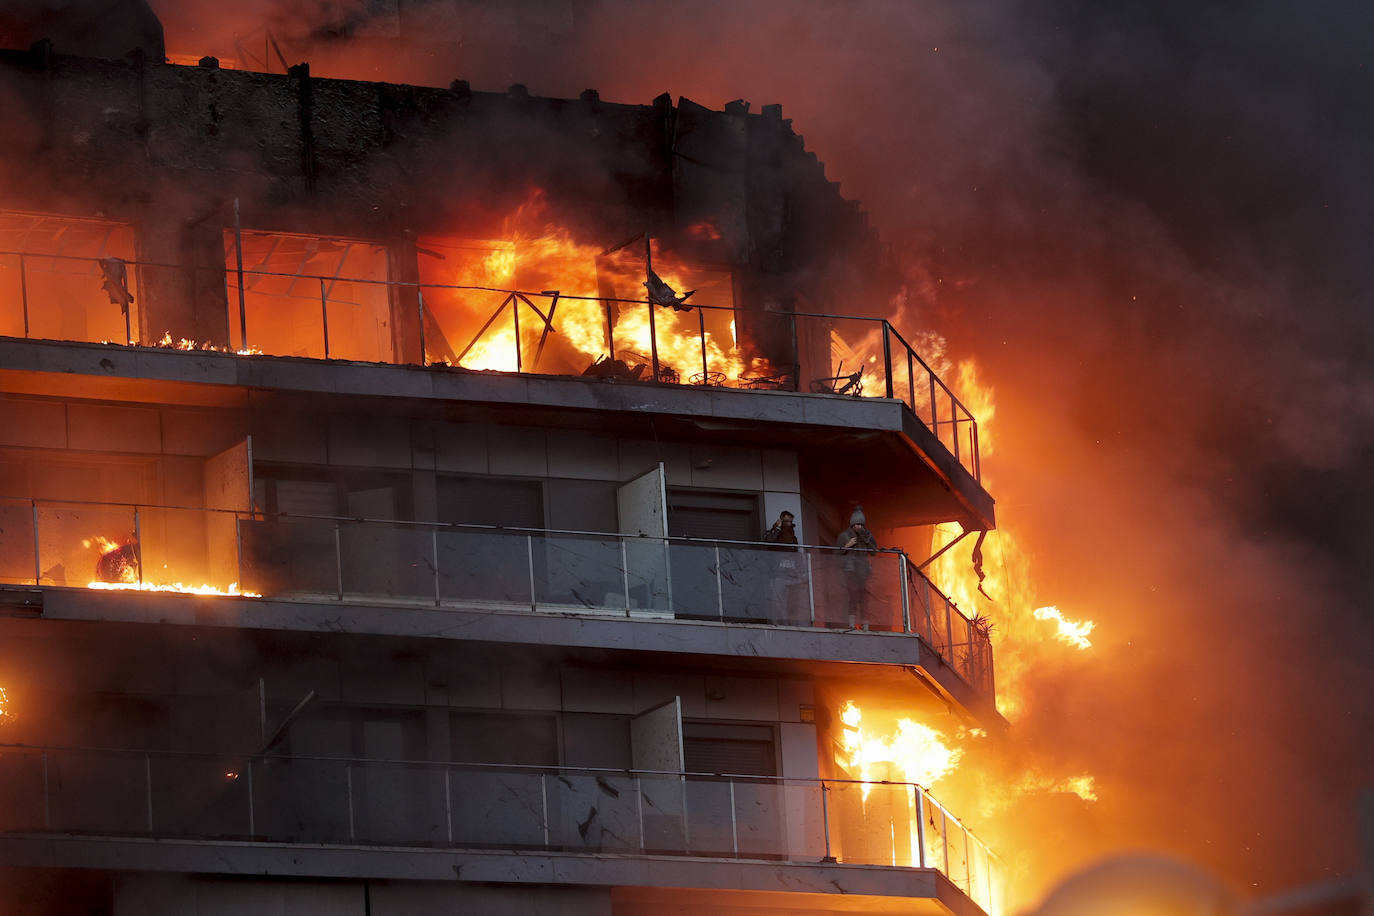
[
  {"x": 486, "y": 196},
  {"x": 492, "y": 401}
]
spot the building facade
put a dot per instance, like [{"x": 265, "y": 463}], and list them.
[{"x": 381, "y": 531}]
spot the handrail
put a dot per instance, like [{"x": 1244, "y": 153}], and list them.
[
  {"x": 772, "y": 545},
  {"x": 405, "y": 761}
]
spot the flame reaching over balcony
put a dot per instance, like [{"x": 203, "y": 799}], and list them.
[
  {"x": 995, "y": 798},
  {"x": 1073, "y": 632},
  {"x": 911, "y": 753},
  {"x": 1007, "y": 595}
]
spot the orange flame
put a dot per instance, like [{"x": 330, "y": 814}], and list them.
[
  {"x": 231, "y": 592},
  {"x": 6, "y": 713},
  {"x": 128, "y": 575},
  {"x": 913, "y": 752},
  {"x": 185, "y": 343},
  {"x": 101, "y": 544},
  {"x": 1072, "y": 632},
  {"x": 996, "y": 797},
  {"x": 998, "y": 778},
  {"x": 532, "y": 252}
]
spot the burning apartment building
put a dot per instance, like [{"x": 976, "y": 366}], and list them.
[{"x": 388, "y": 478}]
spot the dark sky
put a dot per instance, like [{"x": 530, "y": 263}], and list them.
[{"x": 1149, "y": 224}]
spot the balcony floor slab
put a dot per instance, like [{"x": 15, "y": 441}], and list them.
[{"x": 641, "y": 879}]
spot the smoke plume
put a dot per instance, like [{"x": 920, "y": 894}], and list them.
[{"x": 1146, "y": 223}]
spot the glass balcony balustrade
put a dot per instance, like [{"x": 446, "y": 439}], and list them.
[
  {"x": 325, "y": 800},
  {"x": 380, "y": 563}
]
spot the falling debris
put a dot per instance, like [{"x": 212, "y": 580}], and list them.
[
  {"x": 977, "y": 557},
  {"x": 661, "y": 293}
]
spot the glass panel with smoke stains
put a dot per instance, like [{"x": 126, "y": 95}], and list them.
[
  {"x": 17, "y": 543},
  {"x": 98, "y": 791},
  {"x": 290, "y": 556},
  {"x": 594, "y": 812},
  {"x": 21, "y": 789},
  {"x": 300, "y": 799},
  {"x": 760, "y": 818},
  {"x": 504, "y": 809},
  {"x": 484, "y": 566},
  {"x": 199, "y": 796},
  {"x": 387, "y": 561},
  {"x": 709, "y": 810},
  {"x": 580, "y": 571}
]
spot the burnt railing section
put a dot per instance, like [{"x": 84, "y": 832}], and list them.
[
  {"x": 380, "y": 562},
  {"x": 808, "y": 352},
  {"x": 399, "y": 803}
]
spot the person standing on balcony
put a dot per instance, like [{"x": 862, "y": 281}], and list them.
[
  {"x": 857, "y": 542},
  {"x": 785, "y": 570}
]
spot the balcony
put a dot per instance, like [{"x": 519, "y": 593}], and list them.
[
  {"x": 393, "y": 803},
  {"x": 442, "y": 566},
  {"x": 356, "y": 312}
]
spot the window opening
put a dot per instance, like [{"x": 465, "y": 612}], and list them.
[
  {"x": 57, "y": 282},
  {"x": 311, "y": 296}
]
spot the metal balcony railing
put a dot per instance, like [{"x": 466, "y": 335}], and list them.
[
  {"x": 79, "y": 544},
  {"x": 327, "y": 800},
  {"x": 634, "y": 340}
]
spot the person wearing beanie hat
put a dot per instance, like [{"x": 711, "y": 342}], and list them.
[{"x": 857, "y": 542}]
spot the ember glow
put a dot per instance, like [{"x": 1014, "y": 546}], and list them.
[
  {"x": 6, "y": 713},
  {"x": 1073, "y": 632},
  {"x": 118, "y": 569},
  {"x": 232, "y": 591},
  {"x": 167, "y": 343}
]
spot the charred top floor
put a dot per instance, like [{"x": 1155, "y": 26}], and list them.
[
  {"x": 142, "y": 140},
  {"x": 322, "y": 218}
]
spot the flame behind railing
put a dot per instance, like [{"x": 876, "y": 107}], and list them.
[{"x": 814, "y": 353}]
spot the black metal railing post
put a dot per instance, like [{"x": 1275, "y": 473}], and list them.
[
  {"x": 324, "y": 317},
  {"x": 887, "y": 355},
  {"x": 24, "y": 293},
  {"x": 653, "y": 339},
  {"x": 701, "y": 330},
  {"x": 796, "y": 354},
  {"x": 238, "y": 256}
]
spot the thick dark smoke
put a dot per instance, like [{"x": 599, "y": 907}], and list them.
[{"x": 1148, "y": 223}]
